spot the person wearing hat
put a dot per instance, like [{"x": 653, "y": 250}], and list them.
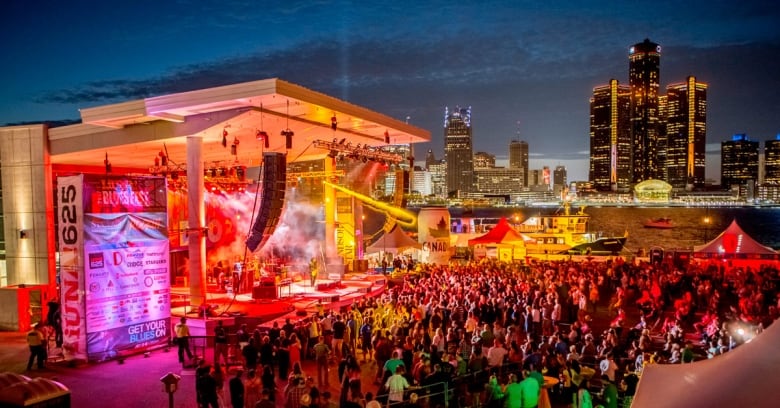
[{"x": 35, "y": 340}]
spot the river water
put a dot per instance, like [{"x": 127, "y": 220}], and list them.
[{"x": 762, "y": 223}]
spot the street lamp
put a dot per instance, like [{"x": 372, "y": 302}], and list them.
[
  {"x": 707, "y": 222},
  {"x": 170, "y": 384}
]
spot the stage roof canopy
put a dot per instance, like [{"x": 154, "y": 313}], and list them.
[{"x": 133, "y": 133}]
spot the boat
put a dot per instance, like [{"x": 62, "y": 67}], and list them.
[
  {"x": 567, "y": 232},
  {"x": 660, "y": 223},
  {"x": 563, "y": 232}
]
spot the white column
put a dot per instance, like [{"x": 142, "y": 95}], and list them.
[{"x": 196, "y": 220}]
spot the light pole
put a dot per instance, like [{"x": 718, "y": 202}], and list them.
[{"x": 707, "y": 222}]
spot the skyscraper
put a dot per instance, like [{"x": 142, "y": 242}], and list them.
[
  {"x": 686, "y": 133},
  {"x": 610, "y": 137},
  {"x": 518, "y": 158},
  {"x": 738, "y": 161},
  {"x": 458, "y": 152},
  {"x": 772, "y": 161},
  {"x": 559, "y": 176},
  {"x": 643, "y": 79}
]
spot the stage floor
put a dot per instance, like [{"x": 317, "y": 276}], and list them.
[{"x": 292, "y": 301}]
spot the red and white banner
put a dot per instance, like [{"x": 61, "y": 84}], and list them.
[{"x": 70, "y": 217}]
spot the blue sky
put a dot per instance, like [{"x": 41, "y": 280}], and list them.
[{"x": 527, "y": 68}]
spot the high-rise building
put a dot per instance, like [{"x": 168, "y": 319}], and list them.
[
  {"x": 738, "y": 161},
  {"x": 438, "y": 172},
  {"x": 772, "y": 161},
  {"x": 518, "y": 158},
  {"x": 610, "y": 137},
  {"x": 559, "y": 176},
  {"x": 430, "y": 159},
  {"x": 643, "y": 80},
  {"x": 484, "y": 160},
  {"x": 686, "y": 134},
  {"x": 458, "y": 152},
  {"x": 663, "y": 174}
]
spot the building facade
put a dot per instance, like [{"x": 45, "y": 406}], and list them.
[
  {"x": 772, "y": 161},
  {"x": 458, "y": 151},
  {"x": 644, "y": 82},
  {"x": 738, "y": 161},
  {"x": 484, "y": 160},
  {"x": 518, "y": 158},
  {"x": 499, "y": 180},
  {"x": 686, "y": 134},
  {"x": 610, "y": 137}
]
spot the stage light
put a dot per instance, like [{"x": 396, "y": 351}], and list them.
[
  {"x": 387, "y": 137},
  {"x": 333, "y": 154},
  {"x": 240, "y": 173},
  {"x": 224, "y": 137},
  {"x": 334, "y": 125},
  {"x": 341, "y": 142}
]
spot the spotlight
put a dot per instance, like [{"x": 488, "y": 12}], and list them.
[
  {"x": 341, "y": 142},
  {"x": 387, "y": 137},
  {"x": 261, "y": 134},
  {"x": 240, "y": 173},
  {"x": 334, "y": 123},
  {"x": 224, "y": 137}
]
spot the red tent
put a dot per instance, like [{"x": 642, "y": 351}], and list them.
[
  {"x": 734, "y": 243},
  {"x": 502, "y": 233}
]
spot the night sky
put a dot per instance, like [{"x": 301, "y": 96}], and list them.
[{"x": 527, "y": 68}]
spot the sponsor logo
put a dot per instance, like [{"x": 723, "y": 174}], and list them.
[{"x": 96, "y": 260}]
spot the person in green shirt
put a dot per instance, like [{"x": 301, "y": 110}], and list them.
[
  {"x": 610, "y": 393},
  {"x": 495, "y": 395},
  {"x": 529, "y": 391},
  {"x": 514, "y": 393}
]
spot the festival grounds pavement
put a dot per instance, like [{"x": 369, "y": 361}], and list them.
[{"x": 136, "y": 381}]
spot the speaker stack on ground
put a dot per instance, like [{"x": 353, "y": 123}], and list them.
[{"x": 274, "y": 179}]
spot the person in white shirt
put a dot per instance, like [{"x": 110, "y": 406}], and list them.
[
  {"x": 496, "y": 354},
  {"x": 396, "y": 385}
]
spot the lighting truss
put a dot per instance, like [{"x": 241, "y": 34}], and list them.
[{"x": 359, "y": 152}]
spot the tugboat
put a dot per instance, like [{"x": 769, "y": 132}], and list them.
[
  {"x": 567, "y": 233},
  {"x": 659, "y": 223}
]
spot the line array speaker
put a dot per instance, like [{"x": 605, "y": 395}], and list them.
[{"x": 274, "y": 178}]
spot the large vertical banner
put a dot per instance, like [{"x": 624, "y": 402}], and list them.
[
  {"x": 433, "y": 232},
  {"x": 115, "y": 266},
  {"x": 70, "y": 219},
  {"x": 127, "y": 277}
]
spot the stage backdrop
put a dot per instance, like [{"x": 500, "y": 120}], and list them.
[{"x": 115, "y": 271}]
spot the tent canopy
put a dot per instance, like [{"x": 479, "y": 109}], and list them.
[
  {"x": 743, "y": 377},
  {"x": 733, "y": 242},
  {"x": 502, "y": 233},
  {"x": 393, "y": 241}
]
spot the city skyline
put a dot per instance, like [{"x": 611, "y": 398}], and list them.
[{"x": 406, "y": 60}]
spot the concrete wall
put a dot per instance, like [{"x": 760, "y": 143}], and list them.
[{"x": 28, "y": 205}]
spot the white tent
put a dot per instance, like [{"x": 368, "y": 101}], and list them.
[{"x": 746, "y": 377}]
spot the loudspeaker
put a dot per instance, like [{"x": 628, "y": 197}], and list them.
[
  {"x": 401, "y": 188},
  {"x": 274, "y": 177}
]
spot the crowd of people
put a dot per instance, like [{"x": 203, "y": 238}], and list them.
[{"x": 487, "y": 334}]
